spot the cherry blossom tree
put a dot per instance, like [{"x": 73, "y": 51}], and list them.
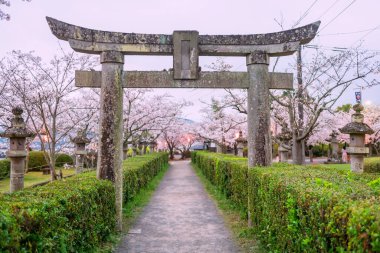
[
  {"x": 220, "y": 125},
  {"x": 46, "y": 92},
  {"x": 179, "y": 136},
  {"x": 145, "y": 111}
]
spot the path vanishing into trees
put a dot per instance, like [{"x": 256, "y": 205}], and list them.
[{"x": 180, "y": 218}]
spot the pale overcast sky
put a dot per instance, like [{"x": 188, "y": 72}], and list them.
[{"x": 345, "y": 23}]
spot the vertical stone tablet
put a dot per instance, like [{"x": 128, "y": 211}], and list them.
[{"x": 185, "y": 55}]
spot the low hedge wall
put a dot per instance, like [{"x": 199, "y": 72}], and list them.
[
  {"x": 372, "y": 165},
  {"x": 74, "y": 215},
  {"x": 301, "y": 209},
  {"x": 37, "y": 160},
  {"x": 5, "y": 168}
]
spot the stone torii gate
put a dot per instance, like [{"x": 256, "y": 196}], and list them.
[{"x": 186, "y": 47}]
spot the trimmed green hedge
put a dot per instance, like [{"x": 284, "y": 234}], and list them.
[
  {"x": 37, "y": 160},
  {"x": 301, "y": 209},
  {"x": 372, "y": 165},
  {"x": 63, "y": 158},
  {"x": 5, "y": 168},
  {"x": 74, "y": 215}
]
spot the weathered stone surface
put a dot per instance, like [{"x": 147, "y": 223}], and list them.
[
  {"x": 259, "y": 137},
  {"x": 204, "y": 50},
  {"x": 358, "y": 150},
  {"x": 111, "y": 126},
  {"x": 18, "y": 128},
  {"x": 65, "y": 31},
  {"x": 258, "y": 57},
  {"x": 164, "y": 79},
  {"x": 185, "y": 54},
  {"x": 356, "y": 128},
  {"x": 17, "y": 135},
  {"x": 80, "y": 141}
]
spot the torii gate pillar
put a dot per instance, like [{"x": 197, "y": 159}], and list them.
[
  {"x": 258, "y": 111},
  {"x": 110, "y": 152}
]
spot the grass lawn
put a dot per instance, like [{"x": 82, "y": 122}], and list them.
[{"x": 32, "y": 178}]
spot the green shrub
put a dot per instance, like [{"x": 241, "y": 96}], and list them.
[
  {"x": 36, "y": 161},
  {"x": 301, "y": 208},
  {"x": 372, "y": 165},
  {"x": 63, "y": 158},
  {"x": 74, "y": 215},
  {"x": 5, "y": 168}
]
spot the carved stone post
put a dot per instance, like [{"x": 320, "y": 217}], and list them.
[
  {"x": 125, "y": 150},
  {"x": 17, "y": 135},
  {"x": 284, "y": 137},
  {"x": 259, "y": 138},
  {"x": 241, "y": 143},
  {"x": 357, "y": 131},
  {"x": 283, "y": 152},
  {"x": 80, "y": 150},
  {"x": 334, "y": 145},
  {"x": 111, "y": 125}
]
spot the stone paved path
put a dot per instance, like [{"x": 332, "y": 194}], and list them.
[{"x": 180, "y": 218}]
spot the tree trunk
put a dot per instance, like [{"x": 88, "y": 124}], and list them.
[
  {"x": 298, "y": 151},
  {"x": 171, "y": 153}
]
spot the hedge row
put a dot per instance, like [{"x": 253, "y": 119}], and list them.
[
  {"x": 5, "y": 168},
  {"x": 301, "y": 209},
  {"x": 372, "y": 165},
  {"x": 73, "y": 215},
  {"x": 37, "y": 160}
]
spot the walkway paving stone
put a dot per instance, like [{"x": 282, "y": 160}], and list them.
[{"x": 180, "y": 218}]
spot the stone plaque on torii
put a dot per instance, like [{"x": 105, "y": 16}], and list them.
[{"x": 186, "y": 47}]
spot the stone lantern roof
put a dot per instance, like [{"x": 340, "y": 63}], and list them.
[
  {"x": 356, "y": 126},
  {"x": 81, "y": 137},
  {"x": 18, "y": 128}
]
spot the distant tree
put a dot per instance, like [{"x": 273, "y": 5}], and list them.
[
  {"x": 148, "y": 112},
  {"x": 220, "y": 124}
]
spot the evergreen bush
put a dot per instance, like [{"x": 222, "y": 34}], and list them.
[{"x": 5, "y": 168}]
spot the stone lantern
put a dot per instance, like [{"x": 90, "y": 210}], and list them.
[
  {"x": 92, "y": 156},
  {"x": 334, "y": 146},
  {"x": 80, "y": 149},
  {"x": 357, "y": 131},
  {"x": 17, "y": 135},
  {"x": 241, "y": 143},
  {"x": 284, "y": 137}
]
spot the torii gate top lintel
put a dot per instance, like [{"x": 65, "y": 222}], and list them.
[{"x": 96, "y": 41}]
